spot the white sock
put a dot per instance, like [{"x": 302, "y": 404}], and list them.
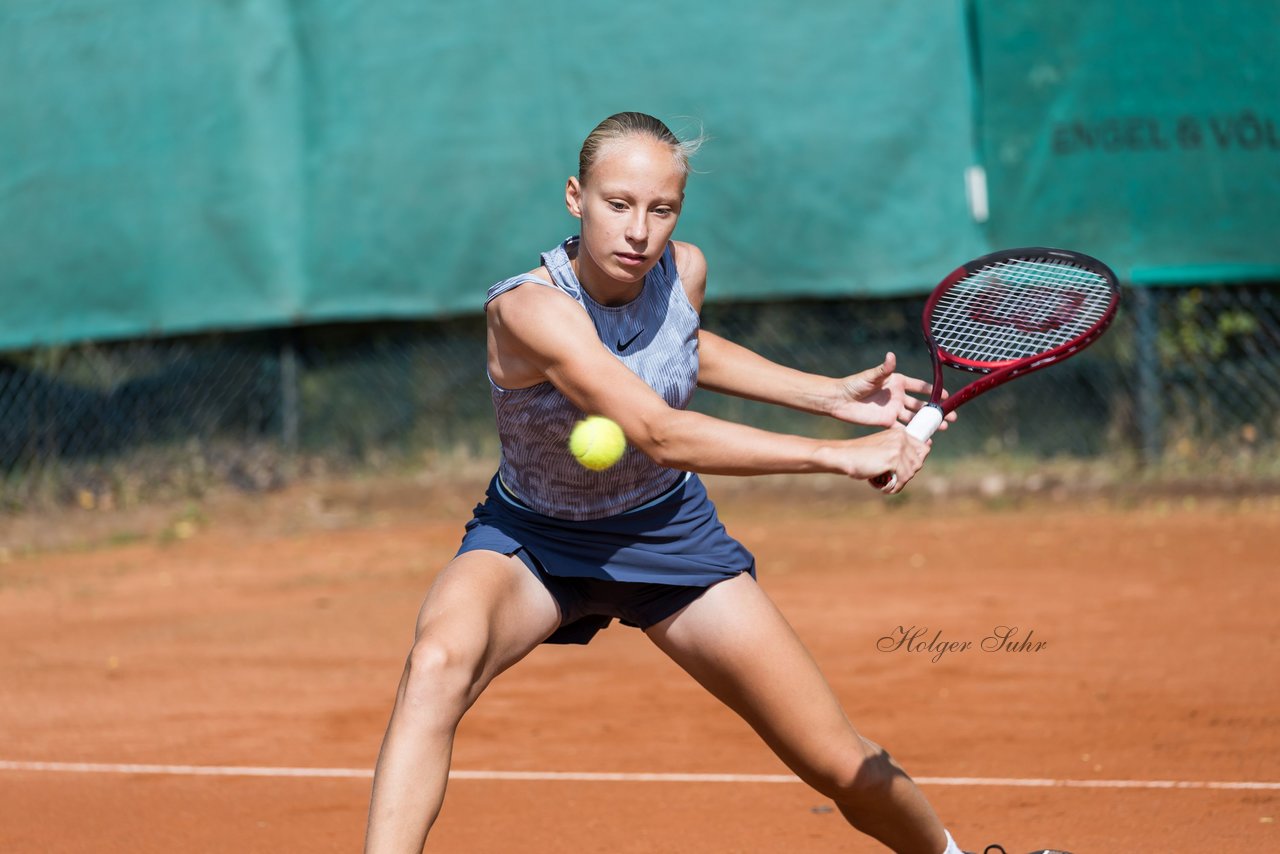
[{"x": 951, "y": 848}]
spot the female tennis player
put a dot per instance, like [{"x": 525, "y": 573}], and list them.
[{"x": 608, "y": 325}]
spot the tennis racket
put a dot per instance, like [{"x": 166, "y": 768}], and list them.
[{"x": 1005, "y": 315}]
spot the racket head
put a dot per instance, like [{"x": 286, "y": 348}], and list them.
[{"x": 1015, "y": 311}]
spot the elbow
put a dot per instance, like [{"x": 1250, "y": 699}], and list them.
[
  {"x": 659, "y": 440},
  {"x": 663, "y": 456}
]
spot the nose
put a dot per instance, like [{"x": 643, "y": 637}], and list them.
[{"x": 637, "y": 230}]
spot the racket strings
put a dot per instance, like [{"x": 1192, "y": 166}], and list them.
[{"x": 1018, "y": 309}]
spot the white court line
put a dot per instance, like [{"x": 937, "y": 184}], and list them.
[{"x": 601, "y": 777}]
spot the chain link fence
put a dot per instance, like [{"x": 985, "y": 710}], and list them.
[{"x": 1186, "y": 384}]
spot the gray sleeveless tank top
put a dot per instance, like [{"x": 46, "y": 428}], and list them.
[{"x": 656, "y": 336}]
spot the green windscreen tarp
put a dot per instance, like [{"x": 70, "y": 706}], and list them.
[
  {"x": 170, "y": 166},
  {"x": 1145, "y": 132}
]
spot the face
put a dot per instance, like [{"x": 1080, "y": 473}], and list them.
[{"x": 628, "y": 205}]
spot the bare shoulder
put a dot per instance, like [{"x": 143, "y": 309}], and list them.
[
  {"x": 692, "y": 265},
  {"x": 530, "y": 316},
  {"x": 689, "y": 260},
  {"x": 509, "y": 305}
]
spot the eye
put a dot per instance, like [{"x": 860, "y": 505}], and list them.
[
  {"x": 617, "y": 205},
  {"x": 664, "y": 211}
]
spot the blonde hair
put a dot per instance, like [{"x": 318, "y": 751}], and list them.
[{"x": 622, "y": 125}]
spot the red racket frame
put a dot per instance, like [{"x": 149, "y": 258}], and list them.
[
  {"x": 999, "y": 373},
  {"x": 995, "y": 374}
]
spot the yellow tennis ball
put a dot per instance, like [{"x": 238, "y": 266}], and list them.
[{"x": 597, "y": 442}]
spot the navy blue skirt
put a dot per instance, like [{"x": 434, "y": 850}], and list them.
[{"x": 639, "y": 566}]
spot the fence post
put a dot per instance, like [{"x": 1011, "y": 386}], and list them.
[
  {"x": 289, "y": 393},
  {"x": 1150, "y": 412}
]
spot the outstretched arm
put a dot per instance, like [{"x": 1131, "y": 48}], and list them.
[{"x": 877, "y": 397}]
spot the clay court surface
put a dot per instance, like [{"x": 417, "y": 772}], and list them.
[{"x": 243, "y": 653}]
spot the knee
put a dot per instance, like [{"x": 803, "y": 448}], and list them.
[
  {"x": 867, "y": 773},
  {"x": 439, "y": 675}
]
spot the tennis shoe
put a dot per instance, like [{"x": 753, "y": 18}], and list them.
[{"x": 999, "y": 849}]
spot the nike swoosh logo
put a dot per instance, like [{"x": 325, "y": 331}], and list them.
[{"x": 630, "y": 341}]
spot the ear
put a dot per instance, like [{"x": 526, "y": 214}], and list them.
[{"x": 573, "y": 197}]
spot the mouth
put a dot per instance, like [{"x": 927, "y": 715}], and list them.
[{"x": 630, "y": 259}]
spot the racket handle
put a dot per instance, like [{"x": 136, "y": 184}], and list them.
[{"x": 923, "y": 425}]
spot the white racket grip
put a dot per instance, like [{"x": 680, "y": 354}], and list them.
[
  {"x": 925, "y": 422},
  {"x": 922, "y": 425}
]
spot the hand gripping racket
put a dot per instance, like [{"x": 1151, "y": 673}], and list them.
[{"x": 1005, "y": 315}]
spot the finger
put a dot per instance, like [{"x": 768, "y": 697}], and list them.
[
  {"x": 899, "y": 483},
  {"x": 916, "y": 386},
  {"x": 881, "y": 373}
]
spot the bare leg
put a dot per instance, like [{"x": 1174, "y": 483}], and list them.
[
  {"x": 738, "y": 646},
  {"x": 485, "y": 612}
]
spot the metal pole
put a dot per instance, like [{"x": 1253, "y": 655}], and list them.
[
  {"x": 1150, "y": 414},
  {"x": 289, "y": 394}
]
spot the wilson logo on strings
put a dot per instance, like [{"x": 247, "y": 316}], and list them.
[{"x": 1033, "y": 310}]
